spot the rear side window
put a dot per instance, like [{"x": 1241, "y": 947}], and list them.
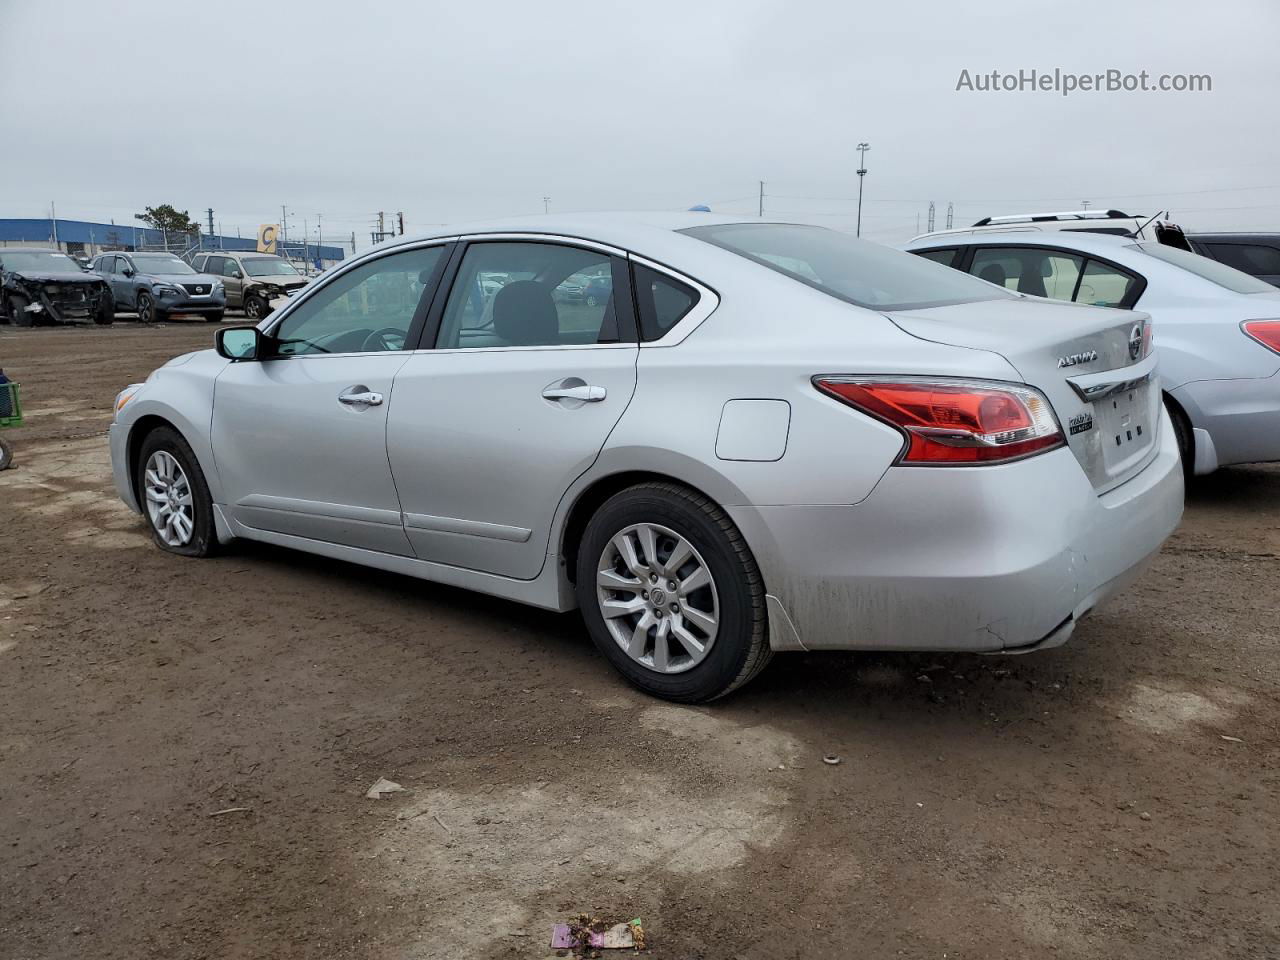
[
  {"x": 1030, "y": 270},
  {"x": 1104, "y": 286},
  {"x": 1253, "y": 258},
  {"x": 527, "y": 294},
  {"x": 662, "y": 301},
  {"x": 857, "y": 271},
  {"x": 945, "y": 257}
]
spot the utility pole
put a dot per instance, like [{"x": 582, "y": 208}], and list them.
[
  {"x": 400, "y": 217},
  {"x": 1084, "y": 204},
  {"x": 760, "y": 211},
  {"x": 546, "y": 204},
  {"x": 210, "y": 212},
  {"x": 382, "y": 224},
  {"x": 862, "y": 175},
  {"x": 950, "y": 211},
  {"x": 284, "y": 223},
  {"x": 53, "y": 220},
  {"x": 930, "y": 228},
  {"x": 917, "y": 223},
  {"x": 319, "y": 240},
  {"x": 353, "y": 243}
]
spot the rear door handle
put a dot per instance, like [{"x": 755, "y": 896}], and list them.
[
  {"x": 586, "y": 393},
  {"x": 366, "y": 397}
]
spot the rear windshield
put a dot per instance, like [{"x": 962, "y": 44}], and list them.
[
  {"x": 1211, "y": 270},
  {"x": 858, "y": 271}
]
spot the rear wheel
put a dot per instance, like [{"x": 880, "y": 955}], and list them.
[
  {"x": 174, "y": 496},
  {"x": 16, "y": 307},
  {"x": 671, "y": 594}
]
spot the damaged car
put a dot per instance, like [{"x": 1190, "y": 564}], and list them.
[
  {"x": 257, "y": 283},
  {"x": 157, "y": 286},
  {"x": 47, "y": 286}
]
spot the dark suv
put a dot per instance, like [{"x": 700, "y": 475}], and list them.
[
  {"x": 159, "y": 285},
  {"x": 1257, "y": 254},
  {"x": 39, "y": 285}
]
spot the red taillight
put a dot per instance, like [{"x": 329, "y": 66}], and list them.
[
  {"x": 1147, "y": 339},
  {"x": 956, "y": 421},
  {"x": 1266, "y": 332}
]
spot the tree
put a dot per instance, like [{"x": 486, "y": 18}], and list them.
[{"x": 168, "y": 220}]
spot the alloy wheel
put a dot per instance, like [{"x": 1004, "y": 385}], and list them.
[
  {"x": 253, "y": 308},
  {"x": 658, "y": 598},
  {"x": 146, "y": 310},
  {"x": 169, "y": 503}
]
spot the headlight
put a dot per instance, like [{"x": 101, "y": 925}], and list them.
[
  {"x": 217, "y": 285},
  {"x": 165, "y": 288}
]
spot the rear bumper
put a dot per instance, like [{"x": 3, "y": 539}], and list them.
[
  {"x": 971, "y": 558},
  {"x": 1236, "y": 421}
]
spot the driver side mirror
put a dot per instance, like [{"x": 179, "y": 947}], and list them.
[
  {"x": 240, "y": 343},
  {"x": 237, "y": 275},
  {"x": 127, "y": 271}
]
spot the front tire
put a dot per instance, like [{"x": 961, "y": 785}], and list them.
[
  {"x": 174, "y": 496},
  {"x": 106, "y": 314},
  {"x": 1186, "y": 442},
  {"x": 671, "y": 594},
  {"x": 255, "y": 308},
  {"x": 16, "y": 307},
  {"x": 215, "y": 317},
  {"x": 146, "y": 307}
]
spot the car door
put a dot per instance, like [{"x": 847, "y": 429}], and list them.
[
  {"x": 122, "y": 284},
  {"x": 233, "y": 280},
  {"x": 299, "y": 439},
  {"x": 525, "y": 382}
]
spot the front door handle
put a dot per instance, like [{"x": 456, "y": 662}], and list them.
[
  {"x": 586, "y": 393},
  {"x": 358, "y": 397}
]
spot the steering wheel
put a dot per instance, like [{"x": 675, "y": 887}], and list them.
[{"x": 384, "y": 339}]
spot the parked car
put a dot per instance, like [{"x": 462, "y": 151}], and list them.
[
  {"x": 1257, "y": 254},
  {"x": 1115, "y": 222},
  {"x": 597, "y": 291},
  {"x": 776, "y": 437},
  {"x": 157, "y": 286},
  {"x": 1219, "y": 345},
  {"x": 255, "y": 282},
  {"x": 39, "y": 285}
]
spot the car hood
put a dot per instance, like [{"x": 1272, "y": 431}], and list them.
[{"x": 57, "y": 276}]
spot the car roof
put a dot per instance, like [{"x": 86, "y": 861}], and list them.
[{"x": 1072, "y": 239}]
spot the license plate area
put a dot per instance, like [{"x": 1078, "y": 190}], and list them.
[{"x": 1126, "y": 425}]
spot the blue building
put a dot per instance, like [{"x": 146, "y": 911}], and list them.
[{"x": 84, "y": 238}]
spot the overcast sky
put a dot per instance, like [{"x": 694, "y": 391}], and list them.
[{"x": 452, "y": 111}]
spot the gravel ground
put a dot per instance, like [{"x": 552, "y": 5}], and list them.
[{"x": 185, "y": 748}]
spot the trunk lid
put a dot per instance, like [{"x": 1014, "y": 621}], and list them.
[{"x": 1082, "y": 358}]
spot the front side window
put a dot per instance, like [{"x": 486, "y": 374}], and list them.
[
  {"x": 856, "y": 271},
  {"x": 1253, "y": 258},
  {"x": 367, "y": 309},
  {"x": 662, "y": 301},
  {"x": 525, "y": 294},
  {"x": 1211, "y": 270},
  {"x": 1029, "y": 270},
  {"x": 230, "y": 268}
]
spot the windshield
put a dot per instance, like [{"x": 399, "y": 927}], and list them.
[
  {"x": 858, "y": 271},
  {"x": 1211, "y": 270},
  {"x": 160, "y": 264},
  {"x": 268, "y": 267},
  {"x": 29, "y": 260}
]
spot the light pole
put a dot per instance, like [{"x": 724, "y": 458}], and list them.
[{"x": 862, "y": 173}]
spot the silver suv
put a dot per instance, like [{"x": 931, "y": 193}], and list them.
[{"x": 252, "y": 280}]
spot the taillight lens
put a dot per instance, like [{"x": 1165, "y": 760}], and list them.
[
  {"x": 1148, "y": 339},
  {"x": 954, "y": 421},
  {"x": 1266, "y": 332}
]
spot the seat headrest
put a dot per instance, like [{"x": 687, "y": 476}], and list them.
[
  {"x": 524, "y": 314},
  {"x": 993, "y": 273}
]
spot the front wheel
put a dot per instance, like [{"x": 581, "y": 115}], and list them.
[
  {"x": 17, "y": 309},
  {"x": 215, "y": 317},
  {"x": 146, "y": 307},
  {"x": 255, "y": 308},
  {"x": 106, "y": 313},
  {"x": 1186, "y": 444},
  {"x": 671, "y": 594},
  {"x": 174, "y": 496}
]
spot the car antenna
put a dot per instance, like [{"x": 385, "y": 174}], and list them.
[{"x": 1138, "y": 232}]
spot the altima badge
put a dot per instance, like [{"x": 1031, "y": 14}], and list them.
[
  {"x": 1080, "y": 423},
  {"x": 1073, "y": 359}
]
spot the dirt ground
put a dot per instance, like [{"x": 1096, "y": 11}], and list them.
[{"x": 185, "y": 748}]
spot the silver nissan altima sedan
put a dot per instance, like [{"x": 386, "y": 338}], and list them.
[{"x": 766, "y": 436}]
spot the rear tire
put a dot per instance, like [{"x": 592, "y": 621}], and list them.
[
  {"x": 695, "y": 631},
  {"x": 1186, "y": 440},
  {"x": 170, "y": 482}
]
